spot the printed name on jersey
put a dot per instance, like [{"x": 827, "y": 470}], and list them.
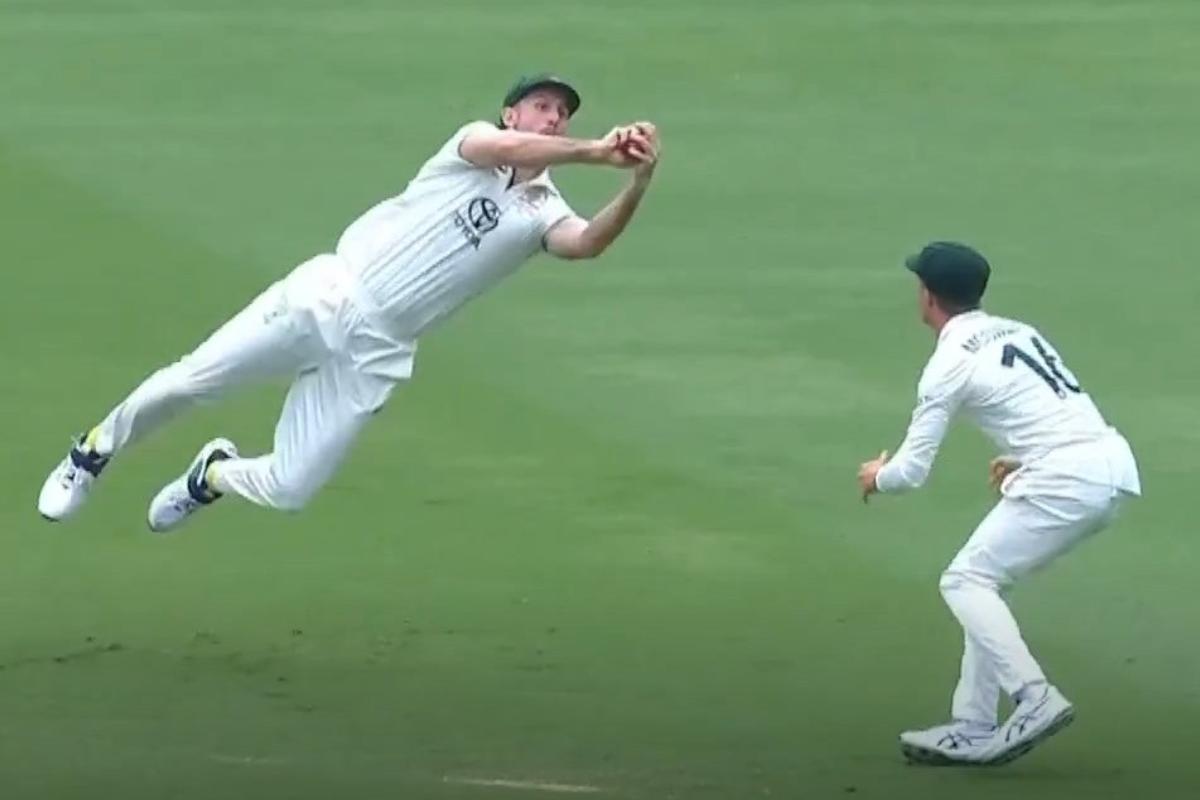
[
  {"x": 986, "y": 337},
  {"x": 480, "y": 216}
]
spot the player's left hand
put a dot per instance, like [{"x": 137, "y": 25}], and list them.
[
  {"x": 867, "y": 472},
  {"x": 645, "y": 149},
  {"x": 620, "y": 145},
  {"x": 999, "y": 469}
]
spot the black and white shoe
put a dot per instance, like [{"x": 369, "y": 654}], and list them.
[
  {"x": 189, "y": 493},
  {"x": 67, "y": 487},
  {"x": 956, "y": 743},
  {"x": 1033, "y": 721}
]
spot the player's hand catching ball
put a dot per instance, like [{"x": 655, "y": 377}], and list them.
[
  {"x": 999, "y": 469},
  {"x": 646, "y": 150},
  {"x": 867, "y": 472},
  {"x": 633, "y": 146},
  {"x": 617, "y": 144}
]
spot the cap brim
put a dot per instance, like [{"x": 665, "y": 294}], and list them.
[{"x": 913, "y": 264}]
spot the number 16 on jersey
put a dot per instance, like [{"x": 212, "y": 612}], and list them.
[{"x": 1048, "y": 368}]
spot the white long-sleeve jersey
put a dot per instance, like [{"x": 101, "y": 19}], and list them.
[
  {"x": 1012, "y": 383},
  {"x": 456, "y": 230}
]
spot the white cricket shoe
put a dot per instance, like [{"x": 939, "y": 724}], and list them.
[
  {"x": 955, "y": 743},
  {"x": 1033, "y": 721},
  {"x": 188, "y": 493},
  {"x": 67, "y": 487}
]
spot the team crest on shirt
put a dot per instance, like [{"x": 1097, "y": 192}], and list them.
[
  {"x": 480, "y": 216},
  {"x": 534, "y": 197}
]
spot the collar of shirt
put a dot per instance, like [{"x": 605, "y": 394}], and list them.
[
  {"x": 957, "y": 321},
  {"x": 508, "y": 176}
]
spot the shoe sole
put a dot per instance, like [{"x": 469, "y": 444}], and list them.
[
  {"x": 927, "y": 757},
  {"x": 923, "y": 757},
  {"x": 1064, "y": 718}
]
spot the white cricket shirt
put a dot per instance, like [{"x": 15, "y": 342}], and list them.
[
  {"x": 1011, "y": 382},
  {"x": 455, "y": 231}
]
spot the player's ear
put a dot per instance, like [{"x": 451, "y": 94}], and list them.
[
  {"x": 508, "y": 117},
  {"x": 926, "y": 301}
]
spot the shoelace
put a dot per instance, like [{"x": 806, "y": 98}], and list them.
[
  {"x": 185, "y": 504},
  {"x": 1018, "y": 726},
  {"x": 67, "y": 479},
  {"x": 955, "y": 740}
]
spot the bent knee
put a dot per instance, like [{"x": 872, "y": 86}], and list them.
[
  {"x": 957, "y": 578},
  {"x": 950, "y": 581}
]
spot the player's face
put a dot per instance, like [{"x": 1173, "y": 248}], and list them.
[{"x": 544, "y": 111}]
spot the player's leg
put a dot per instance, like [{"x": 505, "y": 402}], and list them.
[
  {"x": 977, "y": 696},
  {"x": 972, "y": 726},
  {"x": 1016, "y": 538},
  {"x": 264, "y": 339},
  {"x": 323, "y": 413}
]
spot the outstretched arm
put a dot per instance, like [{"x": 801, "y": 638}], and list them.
[
  {"x": 575, "y": 237},
  {"x": 492, "y": 147}
]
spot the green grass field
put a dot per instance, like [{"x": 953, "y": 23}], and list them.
[{"x": 609, "y": 535}]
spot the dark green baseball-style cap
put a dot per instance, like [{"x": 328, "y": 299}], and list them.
[
  {"x": 952, "y": 271},
  {"x": 527, "y": 84}
]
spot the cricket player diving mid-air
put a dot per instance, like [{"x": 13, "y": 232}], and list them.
[
  {"x": 1062, "y": 477},
  {"x": 345, "y": 324}
]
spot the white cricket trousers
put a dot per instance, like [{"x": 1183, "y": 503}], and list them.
[
  {"x": 313, "y": 324},
  {"x": 1030, "y": 527}
]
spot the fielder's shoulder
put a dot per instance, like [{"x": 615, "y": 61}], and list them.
[
  {"x": 451, "y": 152},
  {"x": 474, "y": 126},
  {"x": 948, "y": 368}
]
